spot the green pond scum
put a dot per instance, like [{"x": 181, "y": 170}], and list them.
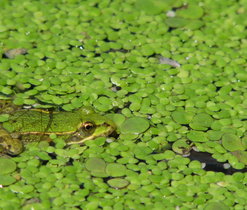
[{"x": 167, "y": 76}]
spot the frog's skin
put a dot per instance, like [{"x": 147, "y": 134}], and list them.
[
  {"x": 8, "y": 144},
  {"x": 35, "y": 125},
  {"x": 6, "y": 106}
]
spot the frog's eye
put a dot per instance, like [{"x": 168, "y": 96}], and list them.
[{"x": 88, "y": 126}]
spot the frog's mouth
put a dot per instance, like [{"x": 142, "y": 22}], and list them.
[{"x": 84, "y": 134}]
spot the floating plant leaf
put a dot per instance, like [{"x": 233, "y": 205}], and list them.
[
  {"x": 118, "y": 119},
  {"x": 231, "y": 142},
  {"x": 134, "y": 125},
  {"x": 182, "y": 117},
  {"x": 191, "y": 12},
  {"x": 118, "y": 183},
  {"x": 241, "y": 156},
  {"x": 214, "y": 135},
  {"x": 151, "y": 7},
  {"x": 176, "y": 22},
  {"x": 197, "y": 136},
  {"x": 115, "y": 169},
  {"x": 181, "y": 147},
  {"x": 6, "y": 180},
  {"x": 7, "y": 166},
  {"x": 96, "y": 166},
  {"x": 4, "y": 117},
  {"x": 201, "y": 121},
  {"x": 216, "y": 205}
]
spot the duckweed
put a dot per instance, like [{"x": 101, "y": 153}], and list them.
[
  {"x": 118, "y": 183},
  {"x": 241, "y": 156},
  {"x": 7, "y": 166},
  {"x": 108, "y": 55},
  {"x": 134, "y": 125},
  {"x": 115, "y": 169},
  {"x": 231, "y": 142},
  {"x": 4, "y": 117},
  {"x": 6, "y": 180},
  {"x": 96, "y": 166}
]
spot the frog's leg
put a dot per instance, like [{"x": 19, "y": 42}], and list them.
[
  {"x": 16, "y": 147},
  {"x": 2, "y": 153},
  {"x": 7, "y": 107},
  {"x": 9, "y": 145},
  {"x": 2, "y": 149}
]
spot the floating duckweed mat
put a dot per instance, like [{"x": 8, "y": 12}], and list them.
[{"x": 171, "y": 74}]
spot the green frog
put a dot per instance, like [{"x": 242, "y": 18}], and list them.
[{"x": 35, "y": 125}]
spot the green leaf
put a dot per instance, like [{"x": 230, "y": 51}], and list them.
[
  {"x": 96, "y": 166},
  {"x": 118, "y": 183},
  {"x": 214, "y": 135},
  {"x": 197, "y": 136},
  {"x": 191, "y": 12},
  {"x": 6, "y": 180},
  {"x": 216, "y": 206},
  {"x": 241, "y": 156},
  {"x": 231, "y": 142},
  {"x": 182, "y": 117},
  {"x": 151, "y": 7},
  {"x": 176, "y": 22},
  {"x": 115, "y": 169},
  {"x": 7, "y": 166},
  {"x": 201, "y": 121},
  {"x": 118, "y": 119},
  {"x": 181, "y": 147},
  {"x": 4, "y": 117},
  {"x": 134, "y": 125}
]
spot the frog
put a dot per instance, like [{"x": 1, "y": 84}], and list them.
[{"x": 34, "y": 125}]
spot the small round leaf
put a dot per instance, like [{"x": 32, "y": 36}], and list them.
[
  {"x": 115, "y": 169},
  {"x": 7, "y": 166},
  {"x": 134, "y": 125},
  {"x": 231, "y": 142},
  {"x": 118, "y": 183}
]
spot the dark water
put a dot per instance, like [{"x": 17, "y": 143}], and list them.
[{"x": 212, "y": 164}]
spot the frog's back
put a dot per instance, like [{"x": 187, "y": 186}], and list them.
[
  {"x": 63, "y": 122},
  {"x": 29, "y": 121},
  {"x": 39, "y": 121}
]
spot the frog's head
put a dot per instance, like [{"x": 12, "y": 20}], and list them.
[{"x": 92, "y": 126}]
